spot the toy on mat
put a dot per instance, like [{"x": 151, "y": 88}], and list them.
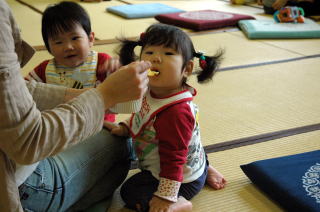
[{"x": 289, "y": 14}]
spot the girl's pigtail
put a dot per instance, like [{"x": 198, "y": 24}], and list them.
[
  {"x": 209, "y": 65},
  {"x": 126, "y": 51}
]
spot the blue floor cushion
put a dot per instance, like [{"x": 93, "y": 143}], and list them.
[
  {"x": 263, "y": 29},
  {"x": 142, "y": 10},
  {"x": 292, "y": 181}
]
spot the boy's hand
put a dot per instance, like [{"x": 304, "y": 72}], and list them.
[
  {"x": 110, "y": 65},
  {"x": 116, "y": 129},
  {"x": 278, "y": 4}
]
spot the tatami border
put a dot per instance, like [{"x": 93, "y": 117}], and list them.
[
  {"x": 269, "y": 62},
  {"x": 260, "y": 138}
]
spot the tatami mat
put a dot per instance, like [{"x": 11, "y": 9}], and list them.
[
  {"x": 237, "y": 104},
  {"x": 104, "y": 24},
  {"x": 29, "y": 22},
  {"x": 258, "y": 100},
  {"x": 240, "y": 194},
  {"x": 108, "y": 26},
  {"x": 238, "y": 51},
  {"x": 296, "y": 46}
]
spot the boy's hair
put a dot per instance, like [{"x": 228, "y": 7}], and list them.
[
  {"x": 63, "y": 17},
  {"x": 172, "y": 37}
]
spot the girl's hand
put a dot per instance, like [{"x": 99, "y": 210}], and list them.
[
  {"x": 116, "y": 129},
  {"x": 160, "y": 205}
]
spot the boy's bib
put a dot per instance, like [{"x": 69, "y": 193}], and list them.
[{"x": 83, "y": 76}]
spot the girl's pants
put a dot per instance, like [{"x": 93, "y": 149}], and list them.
[
  {"x": 78, "y": 177},
  {"x": 139, "y": 189}
]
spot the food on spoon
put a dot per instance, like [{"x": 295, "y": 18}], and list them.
[{"x": 152, "y": 73}]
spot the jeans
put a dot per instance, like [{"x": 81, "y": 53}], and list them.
[{"x": 78, "y": 177}]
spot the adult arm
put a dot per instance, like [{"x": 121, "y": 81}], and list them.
[{"x": 28, "y": 135}]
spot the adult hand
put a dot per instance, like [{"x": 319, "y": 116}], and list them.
[{"x": 130, "y": 82}]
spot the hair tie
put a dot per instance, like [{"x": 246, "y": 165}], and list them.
[
  {"x": 142, "y": 37},
  {"x": 202, "y": 60}
]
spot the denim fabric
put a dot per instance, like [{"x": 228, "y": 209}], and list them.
[{"x": 78, "y": 177}]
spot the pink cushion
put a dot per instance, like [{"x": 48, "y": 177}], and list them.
[{"x": 202, "y": 19}]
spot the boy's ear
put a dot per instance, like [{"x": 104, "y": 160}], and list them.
[
  {"x": 91, "y": 38},
  {"x": 189, "y": 67}
]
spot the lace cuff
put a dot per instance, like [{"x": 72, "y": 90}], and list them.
[{"x": 168, "y": 189}]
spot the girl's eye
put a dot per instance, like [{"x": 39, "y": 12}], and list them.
[
  {"x": 169, "y": 53},
  {"x": 148, "y": 52},
  {"x": 58, "y": 42}
]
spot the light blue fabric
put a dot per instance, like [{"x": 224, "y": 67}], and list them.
[
  {"x": 142, "y": 10},
  {"x": 259, "y": 29},
  {"x": 82, "y": 175}
]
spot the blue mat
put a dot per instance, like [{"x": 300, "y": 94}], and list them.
[
  {"x": 292, "y": 181},
  {"x": 142, "y": 10},
  {"x": 263, "y": 29}
]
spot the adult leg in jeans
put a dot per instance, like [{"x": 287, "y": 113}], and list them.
[{"x": 79, "y": 176}]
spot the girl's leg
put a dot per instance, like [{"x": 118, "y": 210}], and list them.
[
  {"x": 188, "y": 191},
  {"x": 138, "y": 190},
  {"x": 76, "y": 174}
]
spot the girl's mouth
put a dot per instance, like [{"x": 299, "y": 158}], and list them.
[
  {"x": 152, "y": 73},
  {"x": 70, "y": 56}
]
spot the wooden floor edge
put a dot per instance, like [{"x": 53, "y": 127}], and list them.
[
  {"x": 30, "y": 6},
  {"x": 269, "y": 62},
  {"x": 260, "y": 138}
]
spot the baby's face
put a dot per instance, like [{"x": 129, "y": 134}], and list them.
[
  {"x": 71, "y": 48},
  {"x": 168, "y": 63}
]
